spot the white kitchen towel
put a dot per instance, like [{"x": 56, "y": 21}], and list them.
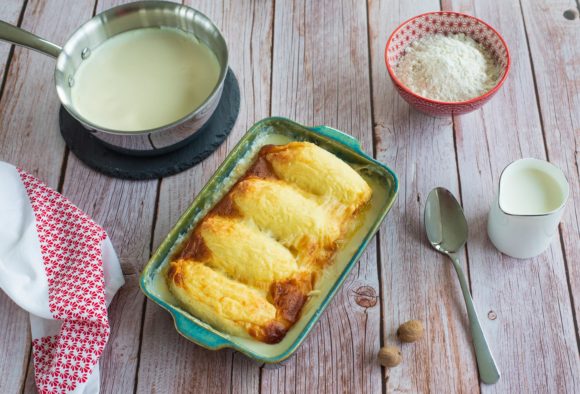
[{"x": 60, "y": 266}]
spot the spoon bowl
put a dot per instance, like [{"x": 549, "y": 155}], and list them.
[
  {"x": 444, "y": 221},
  {"x": 446, "y": 229}
]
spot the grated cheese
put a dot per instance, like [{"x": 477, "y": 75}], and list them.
[{"x": 447, "y": 68}]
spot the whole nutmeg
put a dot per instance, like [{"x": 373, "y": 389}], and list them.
[
  {"x": 410, "y": 331},
  {"x": 390, "y": 356}
]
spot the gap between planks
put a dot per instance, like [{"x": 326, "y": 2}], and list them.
[
  {"x": 543, "y": 128},
  {"x": 379, "y": 257}
]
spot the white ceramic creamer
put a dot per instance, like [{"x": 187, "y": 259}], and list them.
[{"x": 525, "y": 214}]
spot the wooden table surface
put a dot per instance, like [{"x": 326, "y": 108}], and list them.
[{"x": 321, "y": 62}]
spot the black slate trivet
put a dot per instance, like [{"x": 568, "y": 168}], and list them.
[{"x": 100, "y": 157}]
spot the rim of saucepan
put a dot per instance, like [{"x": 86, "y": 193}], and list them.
[
  {"x": 485, "y": 95},
  {"x": 148, "y": 4}
]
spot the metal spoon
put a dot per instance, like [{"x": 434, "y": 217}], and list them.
[{"x": 447, "y": 232}]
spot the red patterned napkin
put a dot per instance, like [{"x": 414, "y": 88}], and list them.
[{"x": 49, "y": 244}]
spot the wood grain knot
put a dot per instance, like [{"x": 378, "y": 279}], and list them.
[
  {"x": 491, "y": 315},
  {"x": 366, "y": 296},
  {"x": 571, "y": 14}
]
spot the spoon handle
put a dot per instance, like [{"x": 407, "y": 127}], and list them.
[{"x": 488, "y": 370}]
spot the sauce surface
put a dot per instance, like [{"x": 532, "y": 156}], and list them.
[
  {"x": 530, "y": 191},
  {"x": 144, "y": 78}
]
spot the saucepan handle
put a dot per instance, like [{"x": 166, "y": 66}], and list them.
[{"x": 24, "y": 38}]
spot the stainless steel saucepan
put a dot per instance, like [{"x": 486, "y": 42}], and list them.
[{"x": 108, "y": 24}]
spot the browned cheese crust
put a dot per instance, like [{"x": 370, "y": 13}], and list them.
[{"x": 250, "y": 264}]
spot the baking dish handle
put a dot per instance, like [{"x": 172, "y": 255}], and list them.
[
  {"x": 198, "y": 334},
  {"x": 339, "y": 136}
]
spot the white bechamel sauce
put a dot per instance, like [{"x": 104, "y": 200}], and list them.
[
  {"x": 144, "y": 79},
  {"x": 529, "y": 191},
  {"x": 361, "y": 227}
]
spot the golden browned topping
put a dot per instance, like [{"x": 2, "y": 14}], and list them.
[
  {"x": 174, "y": 274},
  {"x": 410, "y": 331},
  {"x": 272, "y": 333},
  {"x": 194, "y": 249},
  {"x": 226, "y": 207},
  {"x": 250, "y": 265},
  {"x": 289, "y": 296},
  {"x": 261, "y": 167}
]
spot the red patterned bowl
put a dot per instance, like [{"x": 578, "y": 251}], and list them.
[{"x": 443, "y": 22}]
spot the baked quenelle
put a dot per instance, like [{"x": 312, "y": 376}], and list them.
[{"x": 250, "y": 264}]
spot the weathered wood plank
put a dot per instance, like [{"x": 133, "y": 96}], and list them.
[
  {"x": 555, "y": 51},
  {"x": 529, "y": 299},
  {"x": 125, "y": 209},
  {"x": 417, "y": 282},
  {"x": 320, "y": 76},
  {"x": 9, "y": 12},
  {"x": 29, "y": 113},
  {"x": 29, "y": 383},
  {"x": 247, "y": 27},
  {"x": 29, "y": 138},
  {"x": 15, "y": 345},
  {"x": 13, "y": 321}
]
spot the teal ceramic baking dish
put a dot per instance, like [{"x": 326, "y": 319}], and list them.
[{"x": 273, "y": 131}]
